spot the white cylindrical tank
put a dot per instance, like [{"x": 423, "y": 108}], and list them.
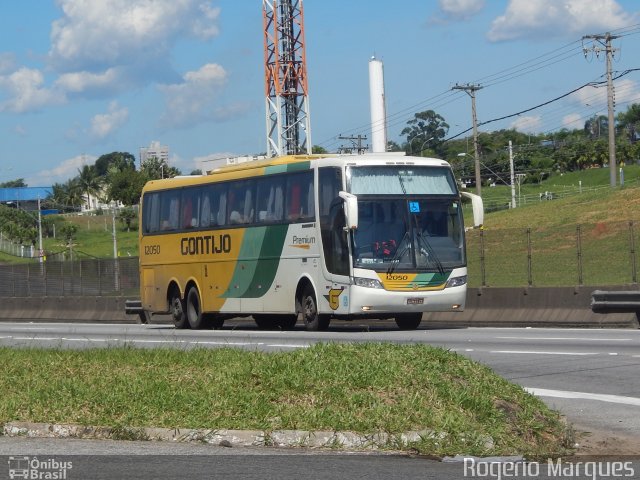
[{"x": 378, "y": 110}]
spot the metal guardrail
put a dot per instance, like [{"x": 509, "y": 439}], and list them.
[{"x": 615, "y": 301}]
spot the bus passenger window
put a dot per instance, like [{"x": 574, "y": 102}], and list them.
[
  {"x": 269, "y": 199},
  {"x": 169, "y": 210}
]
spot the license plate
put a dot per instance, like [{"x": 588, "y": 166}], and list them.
[{"x": 415, "y": 301}]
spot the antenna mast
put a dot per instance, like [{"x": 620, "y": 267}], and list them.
[{"x": 286, "y": 88}]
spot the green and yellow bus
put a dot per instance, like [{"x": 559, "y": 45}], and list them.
[{"x": 305, "y": 238}]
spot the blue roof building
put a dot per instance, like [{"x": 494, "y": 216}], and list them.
[{"x": 24, "y": 197}]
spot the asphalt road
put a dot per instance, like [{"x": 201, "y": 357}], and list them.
[{"x": 590, "y": 375}]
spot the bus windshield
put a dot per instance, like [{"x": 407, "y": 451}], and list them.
[
  {"x": 417, "y": 234},
  {"x": 401, "y": 180}
]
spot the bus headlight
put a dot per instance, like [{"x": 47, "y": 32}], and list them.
[
  {"x": 457, "y": 281},
  {"x": 367, "y": 282}
]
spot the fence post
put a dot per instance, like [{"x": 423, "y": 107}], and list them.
[
  {"x": 483, "y": 272},
  {"x": 529, "y": 262},
  {"x": 579, "y": 252},
  {"x": 632, "y": 251},
  {"x": 99, "y": 277}
]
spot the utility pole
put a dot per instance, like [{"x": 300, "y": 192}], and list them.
[
  {"x": 513, "y": 186},
  {"x": 40, "y": 231},
  {"x": 471, "y": 91},
  {"x": 605, "y": 42},
  {"x": 357, "y": 143}
]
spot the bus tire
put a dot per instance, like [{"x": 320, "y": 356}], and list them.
[
  {"x": 144, "y": 317},
  {"x": 313, "y": 321},
  {"x": 408, "y": 321},
  {"x": 195, "y": 317},
  {"x": 177, "y": 309}
]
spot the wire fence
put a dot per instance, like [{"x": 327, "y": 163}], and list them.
[
  {"x": 602, "y": 253},
  {"x": 92, "y": 277}
]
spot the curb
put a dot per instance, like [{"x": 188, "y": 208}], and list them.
[{"x": 222, "y": 437}]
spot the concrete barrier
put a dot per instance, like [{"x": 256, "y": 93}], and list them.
[
  {"x": 534, "y": 306},
  {"x": 504, "y": 307}
]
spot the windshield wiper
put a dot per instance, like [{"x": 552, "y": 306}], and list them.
[
  {"x": 426, "y": 249},
  {"x": 399, "y": 253}
]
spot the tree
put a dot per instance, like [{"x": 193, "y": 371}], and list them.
[
  {"x": 126, "y": 216},
  {"x": 154, "y": 169},
  {"x": 89, "y": 182},
  {"x": 318, "y": 149},
  {"x": 197, "y": 171},
  {"x": 119, "y": 160},
  {"x": 125, "y": 186},
  {"x": 427, "y": 129},
  {"x": 629, "y": 122},
  {"x": 67, "y": 196},
  {"x": 19, "y": 182}
]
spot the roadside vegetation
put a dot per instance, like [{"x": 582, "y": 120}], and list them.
[{"x": 460, "y": 406}]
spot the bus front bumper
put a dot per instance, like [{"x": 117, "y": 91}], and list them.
[{"x": 364, "y": 300}]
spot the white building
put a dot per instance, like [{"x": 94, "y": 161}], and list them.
[{"x": 154, "y": 150}]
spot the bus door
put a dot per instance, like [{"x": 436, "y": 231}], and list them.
[{"x": 333, "y": 296}]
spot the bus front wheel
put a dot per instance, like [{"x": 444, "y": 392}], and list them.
[
  {"x": 408, "y": 321},
  {"x": 176, "y": 306},
  {"x": 308, "y": 306}
]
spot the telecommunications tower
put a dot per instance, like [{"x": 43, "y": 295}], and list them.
[{"x": 286, "y": 88}]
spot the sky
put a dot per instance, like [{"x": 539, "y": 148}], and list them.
[{"x": 80, "y": 78}]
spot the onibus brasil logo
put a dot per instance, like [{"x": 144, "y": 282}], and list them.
[{"x": 38, "y": 469}]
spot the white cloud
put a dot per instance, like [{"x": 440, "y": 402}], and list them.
[
  {"x": 7, "y": 62},
  {"x": 82, "y": 81},
  {"x": 626, "y": 90},
  {"x": 192, "y": 101},
  {"x": 572, "y": 121},
  {"x": 555, "y": 18},
  {"x": 20, "y": 130},
  {"x": 61, "y": 173},
  {"x": 103, "y": 125},
  {"x": 96, "y": 35},
  {"x": 530, "y": 124},
  {"x": 27, "y": 92},
  {"x": 460, "y": 9}
]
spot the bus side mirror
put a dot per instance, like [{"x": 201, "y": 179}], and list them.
[
  {"x": 477, "y": 207},
  {"x": 350, "y": 209}
]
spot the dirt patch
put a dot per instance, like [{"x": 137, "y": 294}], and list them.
[{"x": 604, "y": 443}]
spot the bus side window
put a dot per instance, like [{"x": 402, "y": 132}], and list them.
[
  {"x": 190, "y": 207},
  {"x": 205, "y": 214},
  {"x": 269, "y": 199},
  {"x": 151, "y": 213},
  {"x": 169, "y": 210}
]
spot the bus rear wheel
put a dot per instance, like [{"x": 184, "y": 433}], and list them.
[
  {"x": 308, "y": 306},
  {"x": 408, "y": 321},
  {"x": 177, "y": 310},
  {"x": 194, "y": 311}
]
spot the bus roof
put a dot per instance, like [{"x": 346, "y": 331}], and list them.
[{"x": 243, "y": 170}]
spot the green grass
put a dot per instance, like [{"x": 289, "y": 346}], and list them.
[{"x": 364, "y": 388}]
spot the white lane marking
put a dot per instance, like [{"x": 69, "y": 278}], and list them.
[
  {"x": 187, "y": 342},
  {"x": 532, "y": 352},
  {"x": 570, "y": 338},
  {"x": 287, "y": 346},
  {"x": 542, "y": 392}
]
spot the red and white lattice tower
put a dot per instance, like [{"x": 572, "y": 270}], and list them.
[{"x": 286, "y": 87}]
